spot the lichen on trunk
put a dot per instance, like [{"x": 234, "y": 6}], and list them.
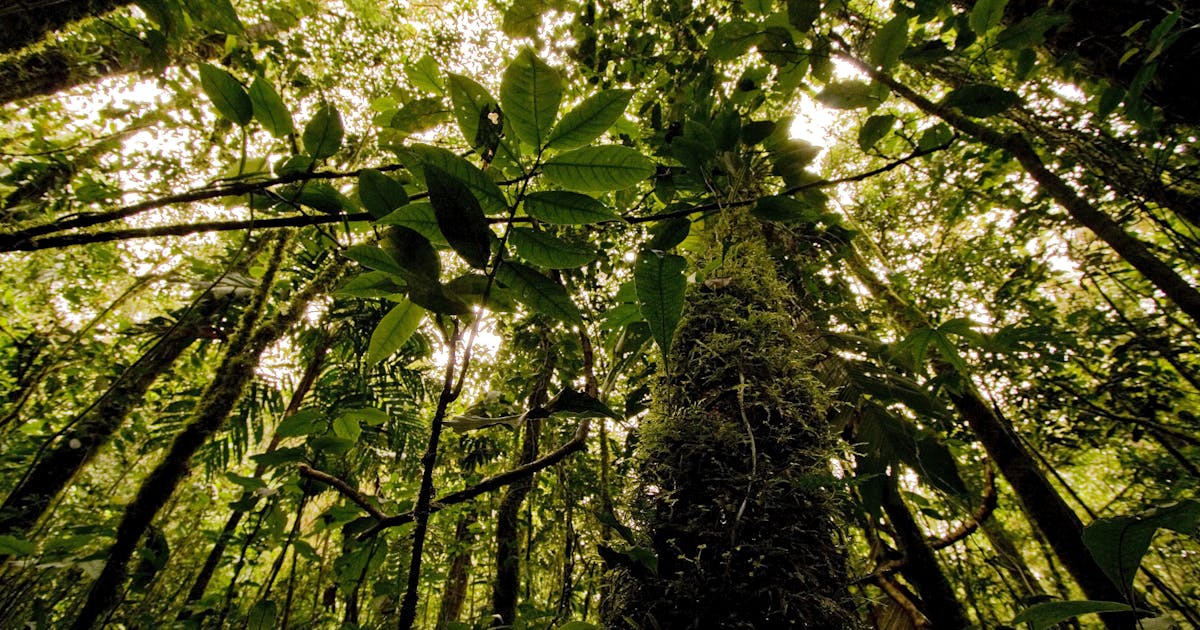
[{"x": 733, "y": 465}]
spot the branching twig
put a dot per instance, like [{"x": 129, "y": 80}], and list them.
[{"x": 354, "y": 495}]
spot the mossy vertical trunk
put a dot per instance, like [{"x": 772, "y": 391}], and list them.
[
  {"x": 458, "y": 578},
  {"x": 733, "y": 467}
]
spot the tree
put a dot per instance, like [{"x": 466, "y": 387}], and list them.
[{"x": 386, "y": 317}]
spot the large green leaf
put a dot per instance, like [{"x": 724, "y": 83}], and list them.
[
  {"x": 733, "y": 39},
  {"x": 539, "y": 292},
  {"x": 546, "y": 250},
  {"x": 393, "y": 330},
  {"x": 986, "y": 15},
  {"x": 874, "y": 129},
  {"x": 570, "y": 402},
  {"x": 1119, "y": 543},
  {"x": 413, "y": 253},
  {"x": 529, "y": 95},
  {"x": 323, "y": 134},
  {"x": 12, "y": 546},
  {"x": 303, "y": 422},
  {"x": 269, "y": 109},
  {"x": 802, "y": 13},
  {"x": 261, "y": 615},
  {"x": 469, "y": 99},
  {"x": 373, "y": 257},
  {"x": 567, "y": 208},
  {"x": 226, "y": 94},
  {"x": 1049, "y": 614},
  {"x": 418, "y": 216},
  {"x": 424, "y": 74},
  {"x": 418, "y": 115},
  {"x": 486, "y": 191},
  {"x": 588, "y": 120},
  {"x": 981, "y": 100},
  {"x": 380, "y": 194},
  {"x": 660, "y": 285},
  {"x": 605, "y": 167},
  {"x": 889, "y": 43},
  {"x": 848, "y": 94},
  {"x": 459, "y": 216}
]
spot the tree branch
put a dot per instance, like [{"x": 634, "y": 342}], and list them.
[{"x": 344, "y": 488}]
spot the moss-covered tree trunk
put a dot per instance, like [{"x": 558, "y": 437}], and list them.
[{"x": 733, "y": 466}]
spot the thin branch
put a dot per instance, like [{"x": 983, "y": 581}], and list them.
[
  {"x": 344, "y": 488},
  {"x": 968, "y": 527}
]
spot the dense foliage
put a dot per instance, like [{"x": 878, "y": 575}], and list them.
[{"x": 549, "y": 313}]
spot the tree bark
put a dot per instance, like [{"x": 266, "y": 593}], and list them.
[
  {"x": 28, "y": 21},
  {"x": 459, "y": 575},
  {"x": 234, "y": 373},
  {"x": 729, "y": 467}
]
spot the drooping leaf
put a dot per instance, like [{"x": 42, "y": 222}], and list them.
[
  {"x": 433, "y": 297},
  {"x": 418, "y": 216},
  {"x": 486, "y": 191},
  {"x": 668, "y": 233},
  {"x": 785, "y": 209},
  {"x": 575, "y": 403},
  {"x": 802, "y": 13},
  {"x": 373, "y": 257},
  {"x": 380, "y": 194},
  {"x": 227, "y": 94},
  {"x": 539, "y": 292},
  {"x": 247, "y": 483},
  {"x": 269, "y": 109},
  {"x": 393, "y": 331},
  {"x": 986, "y": 15},
  {"x": 599, "y": 168},
  {"x": 981, "y": 100},
  {"x": 1049, "y": 614},
  {"x": 413, "y": 252},
  {"x": 889, "y": 43},
  {"x": 323, "y": 134},
  {"x": 469, "y": 100},
  {"x": 588, "y": 120},
  {"x": 12, "y": 546},
  {"x": 874, "y": 129},
  {"x": 529, "y": 95},
  {"x": 303, "y": 422},
  {"x": 317, "y": 195},
  {"x": 660, "y": 285},
  {"x": 459, "y": 216},
  {"x": 546, "y": 250},
  {"x": 567, "y": 208},
  {"x": 418, "y": 115},
  {"x": 1120, "y": 543}
]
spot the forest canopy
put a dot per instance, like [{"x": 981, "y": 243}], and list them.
[{"x": 567, "y": 314}]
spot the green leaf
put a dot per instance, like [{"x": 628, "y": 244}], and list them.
[
  {"x": 269, "y": 109},
  {"x": 660, "y": 285},
  {"x": 12, "y": 546},
  {"x": 346, "y": 427},
  {"x": 668, "y": 233},
  {"x": 247, "y": 483},
  {"x": 889, "y": 43},
  {"x": 330, "y": 444},
  {"x": 546, "y": 250},
  {"x": 578, "y": 625},
  {"x": 981, "y": 100},
  {"x": 588, "y": 120},
  {"x": 303, "y": 422},
  {"x": 375, "y": 258},
  {"x": 849, "y": 94},
  {"x": 459, "y": 216},
  {"x": 578, "y": 404},
  {"x": 733, "y": 39},
  {"x": 413, "y": 253},
  {"x": 529, "y": 95},
  {"x": 425, "y": 75},
  {"x": 986, "y": 15},
  {"x": 785, "y": 209},
  {"x": 418, "y": 115},
  {"x": 216, "y": 16},
  {"x": 370, "y": 416},
  {"x": 1119, "y": 543},
  {"x": 468, "y": 99},
  {"x": 1049, "y": 614},
  {"x": 226, "y": 94},
  {"x": 935, "y": 136},
  {"x": 280, "y": 456},
  {"x": 393, "y": 331},
  {"x": 486, "y": 191},
  {"x": 419, "y": 217},
  {"x": 539, "y": 292},
  {"x": 598, "y": 168},
  {"x": 316, "y": 195},
  {"x": 522, "y": 18},
  {"x": 1030, "y": 31},
  {"x": 802, "y": 13},
  {"x": 323, "y": 134},
  {"x": 380, "y": 194},
  {"x": 874, "y": 129},
  {"x": 567, "y": 208},
  {"x": 261, "y": 616}
]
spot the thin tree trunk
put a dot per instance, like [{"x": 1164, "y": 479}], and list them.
[
  {"x": 78, "y": 444},
  {"x": 459, "y": 575},
  {"x": 234, "y": 373},
  {"x": 921, "y": 567}
]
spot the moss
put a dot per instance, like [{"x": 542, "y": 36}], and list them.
[{"x": 733, "y": 466}]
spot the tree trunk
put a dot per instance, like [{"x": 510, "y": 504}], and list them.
[
  {"x": 733, "y": 467},
  {"x": 459, "y": 575},
  {"x": 28, "y": 21},
  {"x": 50, "y": 475},
  {"x": 234, "y": 373},
  {"x": 921, "y": 567}
]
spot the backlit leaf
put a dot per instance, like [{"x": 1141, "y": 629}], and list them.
[
  {"x": 226, "y": 94},
  {"x": 539, "y": 292},
  {"x": 567, "y": 208},
  {"x": 380, "y": 194},
  {"x": 874, "y": 129},
  {"x": 597, "y": 168},
  {"x": 529, "y": 96},
  {"x": 269, "y": 109},
  {"x": 1049, "y": 614},
  {"x": 588, "y": 120},
  {"x": 889, "y": 43},
  {"x": 981, "y": 100},
  {"x": 546, "y": 250},
  {"x": 486, "y": 191},
  {"x": 660, "y": 285},
  {"x": 323, "y": 134},
  {"x": 393, "y": 331},
  {"x": 459, "y": 216}
]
